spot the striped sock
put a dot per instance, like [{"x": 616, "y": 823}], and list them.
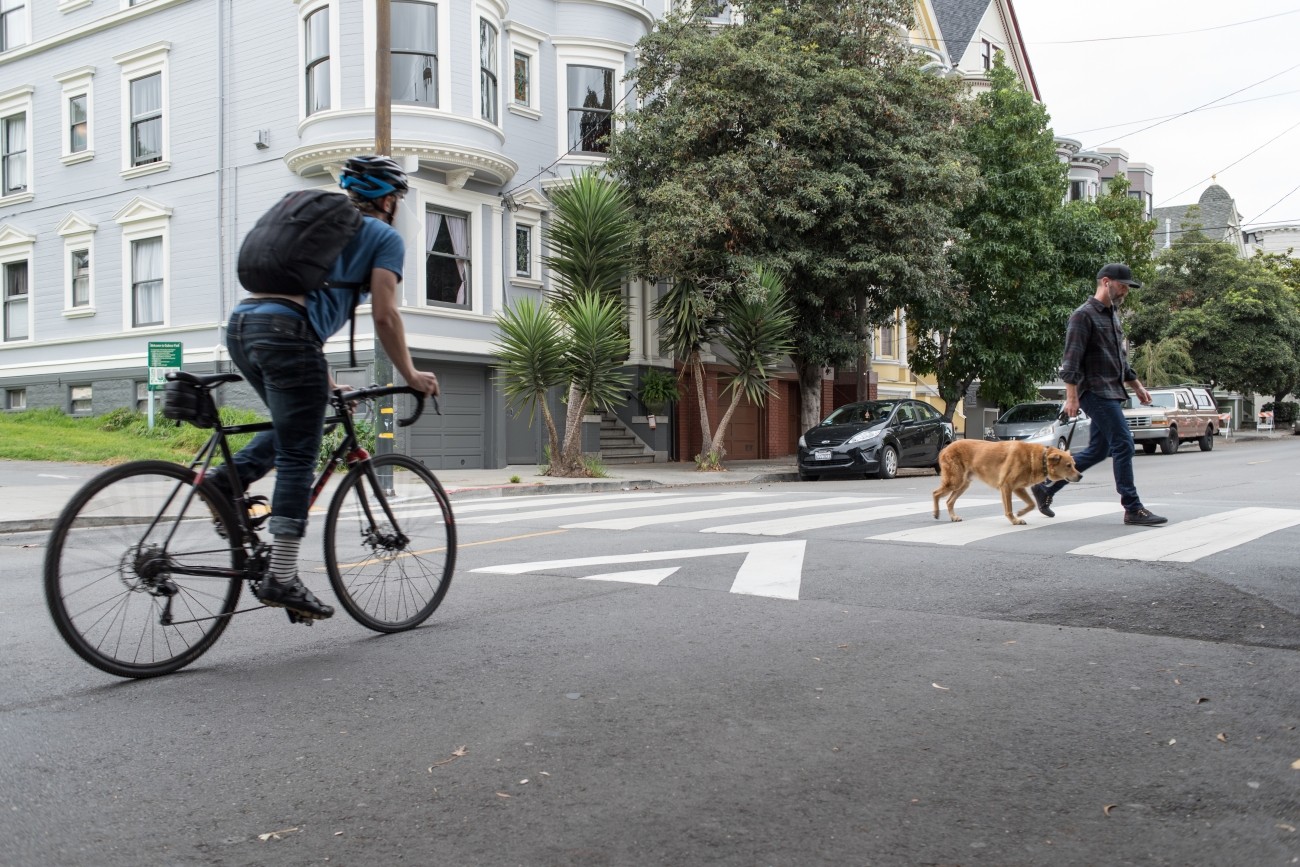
[{"x": 284, "y": 558}]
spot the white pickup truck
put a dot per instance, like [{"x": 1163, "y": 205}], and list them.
[{"x": 1176, "y": 415}]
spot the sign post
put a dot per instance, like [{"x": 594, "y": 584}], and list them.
[{"x": 163, "y": 359}]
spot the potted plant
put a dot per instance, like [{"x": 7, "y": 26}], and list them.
[{"x": 658, "y": 389}]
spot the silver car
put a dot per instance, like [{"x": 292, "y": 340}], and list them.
[{"x": 1040, "y": 422}]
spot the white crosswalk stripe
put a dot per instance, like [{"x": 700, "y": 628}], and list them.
[
  {"x": 801, "y": 523},
  {"x": 609, "y": 505},
  {"x": 1189, "y": 541},
  {"x": 726, "y": 512},
  {"x": 978, "y": 529}
]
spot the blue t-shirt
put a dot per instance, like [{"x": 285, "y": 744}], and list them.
[{"x": 375, "y": 245}]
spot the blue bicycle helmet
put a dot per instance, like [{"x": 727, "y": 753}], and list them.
[{"x": 373, "y": 177}]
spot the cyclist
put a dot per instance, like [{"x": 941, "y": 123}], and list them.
[{"x": 275, "y": 341}]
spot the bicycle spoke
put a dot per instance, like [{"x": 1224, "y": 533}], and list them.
[{"x": 390, "y": 557}]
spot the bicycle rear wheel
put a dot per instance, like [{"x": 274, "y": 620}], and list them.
[
  {"x": 115, "y": 569},
  {"x": 390, "y": 554}
]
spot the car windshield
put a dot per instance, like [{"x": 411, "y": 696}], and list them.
[
  {"x": 1166, "y": 400},
  {"x": 861, "y": 413},
  {"x": 1030, "y": 412}
]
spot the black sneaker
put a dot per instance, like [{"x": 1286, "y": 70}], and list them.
[
  {"x": 1143, "y": 518},
  {"x": 1043, "y": 499},
  {"x": 292, "y": 595}
]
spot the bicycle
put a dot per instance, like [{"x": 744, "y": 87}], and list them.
[{"x": 144, "y": 566}]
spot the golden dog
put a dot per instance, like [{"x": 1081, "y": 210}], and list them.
[{"x": 1008, "y": 466}]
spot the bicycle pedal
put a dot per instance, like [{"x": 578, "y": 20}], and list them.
[
  {"x": 259, "y": 509},
  {"x": 296, "y": 617}
]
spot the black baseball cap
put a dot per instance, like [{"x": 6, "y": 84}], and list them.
[{"x": 1120, "y": 273}]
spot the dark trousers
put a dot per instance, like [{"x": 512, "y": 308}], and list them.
[
  {"x": 280, "y": 356},
  {"x": 1111, "y": 438}
]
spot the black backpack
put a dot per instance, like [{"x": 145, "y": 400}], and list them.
[{"x": 294, "y": 244}]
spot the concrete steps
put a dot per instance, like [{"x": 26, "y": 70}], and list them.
[{"x": 618, "y": 445}]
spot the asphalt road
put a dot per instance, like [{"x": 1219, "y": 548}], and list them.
[{"x": 809, "y": 694}]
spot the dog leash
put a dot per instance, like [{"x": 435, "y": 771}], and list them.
[{"x": 1069, "y": 438}]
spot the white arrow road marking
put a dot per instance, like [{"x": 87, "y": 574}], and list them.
[
  {"x": 726, "y": 512},
  {"x": 51, "y": 476},
  {"x": 769, "y": 569},
  {"x": 611, "y": 505},
  {"x": 798, "y": 523},
  {"x": 978, "y": 529},
  {"x": 643, "y": 576},
  {"x": 1188, "y": 541}
]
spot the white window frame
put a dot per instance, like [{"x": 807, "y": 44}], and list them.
[
  {"x": 527, "y": 208},
  {"x": 494, "y": 23},
  {"x": 140, "y": 220},
  {"x": 526, "y": 42},
  {"x": 77, "y": 82},
  {"x": 305, "y": 11},
  {"x": 18, "y": 246},
  {"x": 73, "y": 398},
  {"x": 15, "y": 399},
  {"x": 135, "y": 65},
  {"x": 78, "y": 233},
  {"x": 604, "y": 53},
  {"x": 26, "y": 32},
  {"x": 485, "y": 271},
  {"x": 15, "y": 102}
]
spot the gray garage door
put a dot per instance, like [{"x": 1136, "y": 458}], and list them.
[{"x": 455, "y": 439}]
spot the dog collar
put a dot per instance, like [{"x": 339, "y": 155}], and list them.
[{"x": 1047, "y": 480}]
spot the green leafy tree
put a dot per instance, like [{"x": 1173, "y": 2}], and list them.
[
  {"x": 1135, "y": 241},
  {"x": 590, "y": 238},
  {"x": 1016, "y": 286},
  {"x": 1167, "y": 360},
  {"x": 806, "y": 139},
  {"x": 530, "y": 353}
]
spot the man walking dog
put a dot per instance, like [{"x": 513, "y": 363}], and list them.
[{"x": 1095, "y": 370}]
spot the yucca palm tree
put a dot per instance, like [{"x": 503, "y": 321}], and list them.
[
  {"x": 530, "y": 354},
  {"x": 1164, "y": 361},
  {"x": 752, "y": 322},
  {"x": 581, "y": 338}
]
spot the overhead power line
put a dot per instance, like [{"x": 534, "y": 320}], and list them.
[
  {"x": 1166, "y": 33},
  {"x": 1275, "y": 204},
  {"x": 1234, "y": 162},
  {"x": 1198, "y": 108},
  {"x": 1172, "y": 116}
]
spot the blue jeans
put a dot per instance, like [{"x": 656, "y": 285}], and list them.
[
  {"x": 1111, "y": 438},
  {"x": 280, "y": 356}
]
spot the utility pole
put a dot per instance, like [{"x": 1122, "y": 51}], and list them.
[{"x": 386, "y": 428}]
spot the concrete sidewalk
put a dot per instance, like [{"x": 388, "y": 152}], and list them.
[{"x": 32, "y": 494}]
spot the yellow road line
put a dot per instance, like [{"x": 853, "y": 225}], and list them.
[{"x": 444, "y": 548}]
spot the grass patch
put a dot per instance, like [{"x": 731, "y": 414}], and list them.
[{"x": 113, "y": 438}]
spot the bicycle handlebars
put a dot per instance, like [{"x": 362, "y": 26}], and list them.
[{"x": 385, "y": 391}]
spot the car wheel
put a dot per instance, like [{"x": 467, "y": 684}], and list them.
[
  {"x": 1207, "y": 441},
  {"x": 808, "y": 477},
  {"x": 888, "y": 463},
  {"x": 1169, "y": 445},
  {"x": 1149, "y": 448},
  {"x": 1062, "y": 444}
]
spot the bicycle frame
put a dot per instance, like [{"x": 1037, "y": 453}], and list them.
[{"x": 348, "y": 453}]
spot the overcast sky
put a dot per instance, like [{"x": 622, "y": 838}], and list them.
[{"x": 1095, "y": 84}]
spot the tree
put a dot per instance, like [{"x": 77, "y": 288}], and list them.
[
  {"x": 1239, "y": 317},
  {"x": 752, "y": 324},
  {"x": 581, "y": 339},
  {"x": 1016, "y": 288},
  {"x": 806, "y": 139},
  {"x": 1135, "y": 241},
  {"x": 1166, "y": 360}
]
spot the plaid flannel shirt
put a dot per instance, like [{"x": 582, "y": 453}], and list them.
[{"x": 1096, "y": 358}]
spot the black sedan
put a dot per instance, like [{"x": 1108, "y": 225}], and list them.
[{"x": 875, "y": 437}]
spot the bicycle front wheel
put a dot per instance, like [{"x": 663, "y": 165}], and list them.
[
  {"x": 140, "y": 572},
  {"x": 390, "y": 543}
]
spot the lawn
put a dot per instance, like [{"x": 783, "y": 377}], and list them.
[{"x": 112, "y": 438}]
